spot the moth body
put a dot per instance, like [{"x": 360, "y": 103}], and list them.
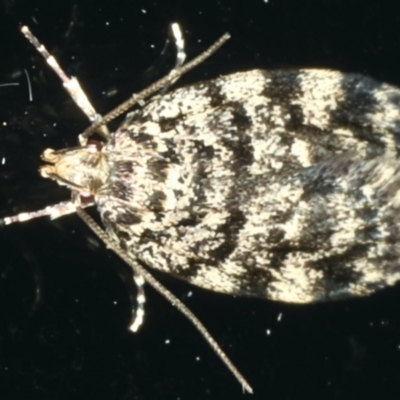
[{"x": 275, "y": 184}]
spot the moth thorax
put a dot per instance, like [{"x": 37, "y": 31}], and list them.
[{"x": 85, "y": 169}]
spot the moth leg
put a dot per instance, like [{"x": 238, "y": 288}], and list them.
[
  {"x": 179, "y": 44},
  {"x": 140, "y": 270},
  {"x": 180, "y": 54},
  {"x": 137, "y": 98},
  {"x": 54, "y": 211},
  {"x": 71, "y": 85},
  {"x": 138, "y": 312}
]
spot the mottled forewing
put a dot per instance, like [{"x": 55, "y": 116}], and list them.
[{"x": 277, "y": 184}]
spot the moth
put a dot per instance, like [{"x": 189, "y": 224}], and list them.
[{"x": 279, "y": 184}]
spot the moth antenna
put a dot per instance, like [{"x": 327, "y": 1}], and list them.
[
  {"x": 165, "y": 293},
  {"x": 155, "y": 87},
  {"x": 71, "y": 85}
]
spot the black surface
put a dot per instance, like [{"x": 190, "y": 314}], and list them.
[{"x": 72, "y": 343}]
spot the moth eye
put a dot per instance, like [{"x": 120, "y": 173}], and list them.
[
  {"x": 94, "y": 146},
  {"x": 86, "y": 198}
]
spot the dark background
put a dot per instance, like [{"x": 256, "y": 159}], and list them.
[{"x": 69, "y": 340}]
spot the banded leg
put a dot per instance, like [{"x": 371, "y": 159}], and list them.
[
  {"x": 71, "y": 85},
  {"x": 141, "y": 271},
  {"x": 54, "y": 211},
  {"x": 75, "y": 90},
  {"x": 138, "y": 312},
  {"x": 180, "y": 54}
]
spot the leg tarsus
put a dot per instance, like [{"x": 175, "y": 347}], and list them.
[{"x": 71, "y": 85}]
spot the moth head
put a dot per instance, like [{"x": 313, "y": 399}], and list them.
[{"x": 82, "y": 169}]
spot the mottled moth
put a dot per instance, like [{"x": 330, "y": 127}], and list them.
[{"x": 279, "y": 184}]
